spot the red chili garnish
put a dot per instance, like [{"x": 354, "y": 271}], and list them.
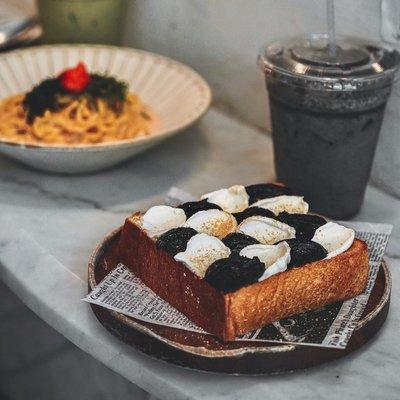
[{"x": 75, "y": 79}]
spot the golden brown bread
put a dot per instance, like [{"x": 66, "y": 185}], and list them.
[
  {"x": 299, "y": 289},
  {"x": 228, "y": 315}
]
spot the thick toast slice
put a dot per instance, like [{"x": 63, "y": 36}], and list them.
[{"x": 226, "y": 316}]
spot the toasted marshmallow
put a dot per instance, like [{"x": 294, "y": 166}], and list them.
[
  {"x": 290, "y": 204},
  {"x": 232, "y": 200},
  {"x": 201, "y": 251},
  {"x": 334, "y": 238},
  {"x": 160, "y": 219},
  {"x": 275, "y": 257},
  {"x": 266, "y": 230},
  {"x": 212, "y": 222}
]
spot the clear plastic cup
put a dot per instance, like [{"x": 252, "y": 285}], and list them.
[{"x": 326, "y": 113}]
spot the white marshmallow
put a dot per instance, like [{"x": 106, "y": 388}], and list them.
[
  {"x": 275, "y": 257},
  {"x": 334, "y": 238},
  {"x": 278, "y": 204},
  {"x": 212, "y": 222},
  {"x": 160, "y": 219},
  {"x": 266, "y": 230},
  {"x": 201, "y": 251},
  {"x": 232, "y": 200}
]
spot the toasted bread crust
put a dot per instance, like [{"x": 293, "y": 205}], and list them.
[
  {"x": 308, "y": 287},
  {"x": 172, "y": 280},
  {"x": 228, "y": 315}
]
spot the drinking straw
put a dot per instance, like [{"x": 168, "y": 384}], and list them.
[{"x": 330, "y": 13}]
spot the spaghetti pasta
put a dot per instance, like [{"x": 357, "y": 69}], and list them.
[{"x": 78, "y": 122}]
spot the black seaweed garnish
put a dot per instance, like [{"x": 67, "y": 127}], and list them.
[
  {"x": 42, "y": 97},
  {"x": 305, "y": 224},
  {"x": 304, "y": 251},
  {"x": 252, "y": 211},
  {"x": 266, "y": 190},
  {"x": 234, "y": 272},
  {"x": 237, "y": 241},
  {"x": 108, "y": 88},
  {"x": 50, "y": 95},
  {"x": 175, "y": 240},
  {"x": 192, "y": 207}
]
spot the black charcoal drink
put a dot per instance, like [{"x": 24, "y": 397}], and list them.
[{"x": 326, "y": 112}]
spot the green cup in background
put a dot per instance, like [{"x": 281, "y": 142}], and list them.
[{"x": 81, "y": 21}]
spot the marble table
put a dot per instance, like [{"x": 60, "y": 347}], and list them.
[{"x": 49, "y": 224}]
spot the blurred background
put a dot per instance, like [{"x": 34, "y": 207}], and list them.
[
  {"x": 221, "y": 40},
  {"x": 218, "y": 39}
]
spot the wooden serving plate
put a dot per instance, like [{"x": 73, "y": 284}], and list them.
[{"x": 207, "y": 353}]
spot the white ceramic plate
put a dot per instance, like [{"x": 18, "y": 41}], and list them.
[{"x": 177, "y": 94}]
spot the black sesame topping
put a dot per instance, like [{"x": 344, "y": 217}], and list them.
[
  {"x": 234, "y": 272},
  {"x": 304, "y": 251},
  {"x": 265, "y": 191},
  {"x": 305, "y": 224},
  {"x": 237, "y": 241},
  {"x": 251, "y": 212},
  {"x": 192, "y": 207},
  {"x": 175, "y": 240}
]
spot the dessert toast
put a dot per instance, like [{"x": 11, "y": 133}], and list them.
[{"x": 227, "y": 298}]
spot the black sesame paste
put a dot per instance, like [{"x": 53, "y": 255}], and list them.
[
  {"x": 251, "y": 212},
  {"x": 237, "y": 241},
  {"x": 305, "y": 224},
  {"x": 192, "y": 207},
  {"x": 234, "y": 272},
  {"x": 266, "y": 190},
  {"x": 175, "y": 240},
  {"x": 304, "y": 251}
]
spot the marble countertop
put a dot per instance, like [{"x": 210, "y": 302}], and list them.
[{"x": 49, "y": 225}]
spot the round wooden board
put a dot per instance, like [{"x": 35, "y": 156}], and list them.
[{"x": 204, "y": 352}]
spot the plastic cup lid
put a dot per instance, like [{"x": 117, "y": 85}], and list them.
[{"x": 354, "y": 64}]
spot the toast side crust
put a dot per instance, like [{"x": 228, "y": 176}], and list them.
[
  {"x": 305, "y": 288},
  {"x": 226, "y": 316},
  {"x": 172, "y": 280}
]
